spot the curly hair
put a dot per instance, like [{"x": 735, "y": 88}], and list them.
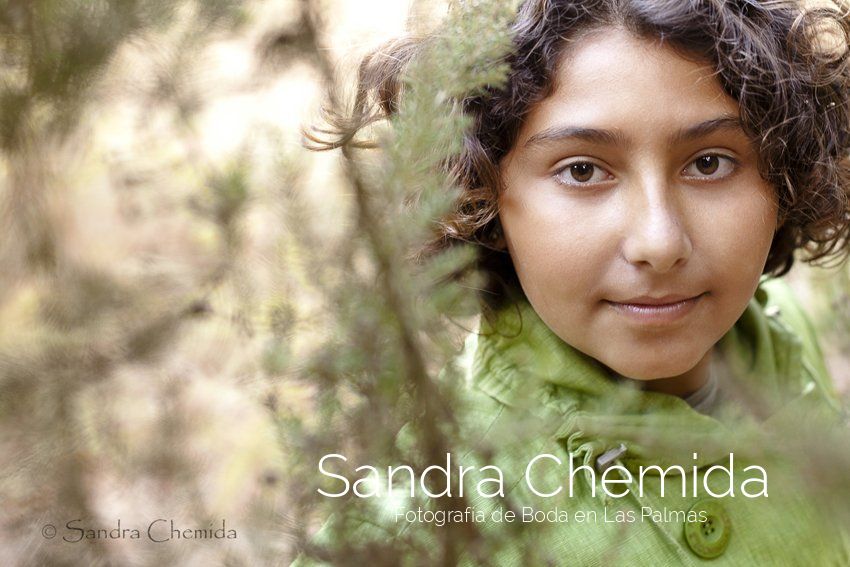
[{"x": 787, "y": 66}]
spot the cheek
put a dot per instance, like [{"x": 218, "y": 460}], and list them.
[
  {"x": 739, "y": 233},
  {"x": 555, "y": 248}
]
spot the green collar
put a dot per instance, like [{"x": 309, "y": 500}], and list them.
[{"x": 520, "y": 362}]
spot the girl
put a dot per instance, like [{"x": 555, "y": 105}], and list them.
[{"x": 645, "y": 170}]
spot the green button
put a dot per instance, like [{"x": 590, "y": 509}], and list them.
[{"x": 708, "y": 535}]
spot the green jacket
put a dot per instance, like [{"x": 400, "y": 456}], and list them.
[{"x": 531, "y": 394}]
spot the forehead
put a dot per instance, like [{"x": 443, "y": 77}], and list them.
[{"x": 614, "y": 80}]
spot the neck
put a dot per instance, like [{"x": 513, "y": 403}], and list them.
[{"x": 683, "y": 384}]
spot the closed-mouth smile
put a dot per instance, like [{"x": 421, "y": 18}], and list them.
[{"x": 658, "y": 310}]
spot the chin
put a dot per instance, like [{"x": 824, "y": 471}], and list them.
[{"x": 646, "y": 370}]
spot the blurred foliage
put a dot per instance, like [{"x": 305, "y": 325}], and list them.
[
  {"x": 184, "y": 336},
  {"x": 54, "y": 52},
  {"x": 830, "y": 304},
  {"x": 129, "y": 384}
]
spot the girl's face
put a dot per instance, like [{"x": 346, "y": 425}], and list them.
[{"x": 634, "y": 211}]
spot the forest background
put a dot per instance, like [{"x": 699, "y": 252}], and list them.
[{"x": 192, "y": 305}]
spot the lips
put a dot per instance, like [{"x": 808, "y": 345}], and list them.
[
  {"x": 658, "y": 301},
  {"x": 657, "y": 310}
]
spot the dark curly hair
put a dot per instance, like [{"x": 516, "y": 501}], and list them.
[{"x": 786, "y": 65}]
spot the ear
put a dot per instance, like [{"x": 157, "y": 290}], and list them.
[
  {"x": 781, "y": 219},
  {"x": 497, "y": 238},
  {"x": 501, "y": 244}
]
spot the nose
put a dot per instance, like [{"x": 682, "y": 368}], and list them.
[{"x": 657, "y": 236}]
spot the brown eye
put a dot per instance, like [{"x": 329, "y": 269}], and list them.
[
  {"x": 707, "y": 165},
  {"x": 711, "y": 167},
  {"x": 582, "y": 172}
]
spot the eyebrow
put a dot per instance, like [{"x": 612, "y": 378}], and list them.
[{"x": 617, "y": 138}]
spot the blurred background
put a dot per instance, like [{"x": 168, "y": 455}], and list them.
[{"x": 163, "y": 233}]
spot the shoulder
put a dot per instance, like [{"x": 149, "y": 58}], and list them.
[
  {"x": 780, "y": 302},
  {"x": 774, "y": 346}
]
